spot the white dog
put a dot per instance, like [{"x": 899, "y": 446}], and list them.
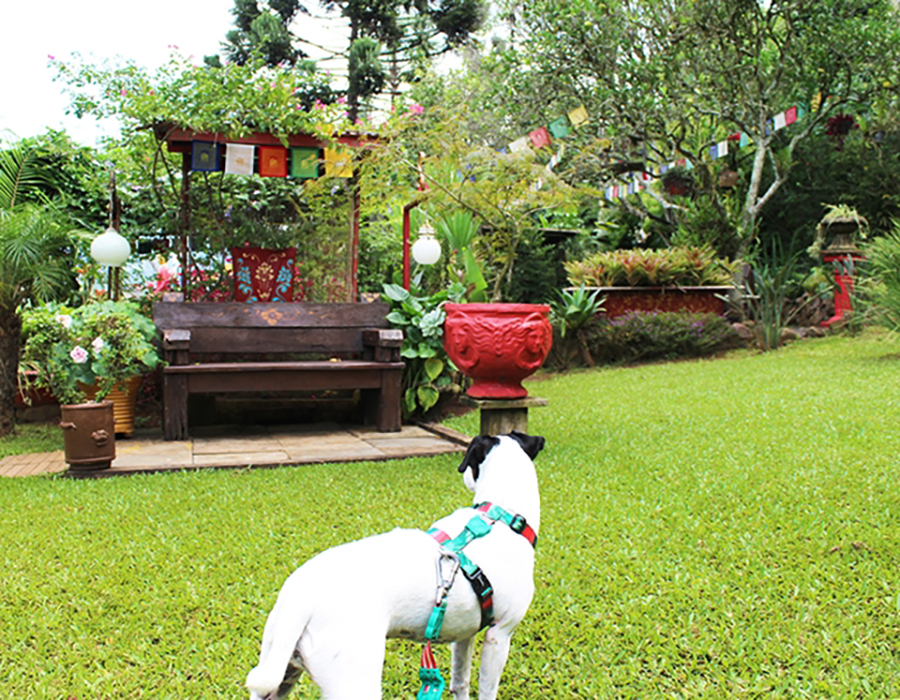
[{"x": 334, "y": 612}]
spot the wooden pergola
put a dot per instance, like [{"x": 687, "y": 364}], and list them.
[{"x": 180, "y": 140}]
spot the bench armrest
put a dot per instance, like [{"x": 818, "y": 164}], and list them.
[
  {"x": 382, "y": 344},
  {"x": 176, "y": 345},
  {"x": 383, "y": 337}
]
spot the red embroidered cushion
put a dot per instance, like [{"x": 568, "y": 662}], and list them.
[{"x": 263, "y": 274}]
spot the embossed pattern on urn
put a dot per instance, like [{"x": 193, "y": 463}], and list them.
[{"x": 497, "y": 345}]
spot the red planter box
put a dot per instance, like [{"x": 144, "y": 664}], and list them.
[{"x": 624, "y": 300}]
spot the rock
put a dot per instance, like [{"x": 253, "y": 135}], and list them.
[
  {"x": 743, "y": 331},
  {"x": 789, "y": 335}
]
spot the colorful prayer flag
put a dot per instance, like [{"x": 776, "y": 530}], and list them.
[
  {"x": 745, "y": 140},
  {"x": 579, "y": 117},
  {"x": 239, "y": 159},
  {"x": 778, "y": 121},
  {"x": 714, "y": 151},
  {"x": 519, "y": 145},
  {"x": 790, "y": 115},
  {"x": 272, "y": 161},
  {"x": 205, "y": 156},
  {"x": 559, "y": 128},
  {"x": 305, "y": 163},
  {"x": 338, "y": 163},
  {"x": 540, "y": 137}
]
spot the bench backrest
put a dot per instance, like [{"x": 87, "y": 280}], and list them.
[{"x": 258, "y": 327}]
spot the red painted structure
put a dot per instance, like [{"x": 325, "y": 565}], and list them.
[
  {"x": 843, "y": 263},
  {"x": 619, "y": 301},
  {"x": 843, "y": 255},
  {"x": 497, "y": 345}
]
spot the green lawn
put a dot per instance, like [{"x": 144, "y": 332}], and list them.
[{"x": 723, "y": 528}]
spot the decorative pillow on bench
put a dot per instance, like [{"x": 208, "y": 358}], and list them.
[{"x": 263, "y": 274}]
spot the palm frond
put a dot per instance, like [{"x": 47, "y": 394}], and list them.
[{"x": 20, "y": 172}]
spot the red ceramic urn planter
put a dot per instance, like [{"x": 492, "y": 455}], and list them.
[{"x": 497, "y": 345}]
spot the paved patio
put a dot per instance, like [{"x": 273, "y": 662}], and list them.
[{"x": 254, "y": 446}]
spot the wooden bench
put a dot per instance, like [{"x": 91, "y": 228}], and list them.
[{"x": 353, "y": 345}]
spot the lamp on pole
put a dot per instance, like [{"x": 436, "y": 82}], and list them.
[{"x": 110, "y": 248}]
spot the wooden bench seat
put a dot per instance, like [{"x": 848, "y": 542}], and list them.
[{"x": 351, "y": 344}]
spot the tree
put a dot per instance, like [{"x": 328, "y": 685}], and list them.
[
  {"x": 35, "y": 261},
  {"x": 665, "y": 79},
  {"x": 385, "y": 32},
  {"x": 261, "y": 32}
]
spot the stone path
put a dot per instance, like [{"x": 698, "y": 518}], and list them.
[{"x": 254, "y": 446}]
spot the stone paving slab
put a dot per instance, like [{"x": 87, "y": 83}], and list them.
[{"x": 251, "y": 446}]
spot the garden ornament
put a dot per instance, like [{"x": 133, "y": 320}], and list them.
[{"x": 328, "y": 625}]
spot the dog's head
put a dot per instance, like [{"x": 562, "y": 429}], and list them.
[{"x": 482, "y": 445}]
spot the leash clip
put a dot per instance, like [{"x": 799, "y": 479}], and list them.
[{"x": 445, "y": 580}]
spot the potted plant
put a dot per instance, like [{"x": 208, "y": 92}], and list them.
[
  {"x": 496, "y": 345},
  {"x": 81, "y": 355},
  {"x": 671, "y": 279},
  {"x": 678, "y": 181}
]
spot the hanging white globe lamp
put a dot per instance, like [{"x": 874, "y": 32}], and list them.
[
  {"x": 110, "y": 248},
  {"x": 427, "y": 249}
]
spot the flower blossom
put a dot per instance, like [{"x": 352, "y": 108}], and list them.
[
  {"x": 79, "y": 355},
  {"x": 416, "y": 108},
  {"x": 64, "y": 320},
  {"x": 98, "y": 344}
]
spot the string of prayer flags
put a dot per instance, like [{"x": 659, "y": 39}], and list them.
[
  {"x": 239, "y": 159},
  {"x": 272, "y": 161},
  {"x": 205, "y": 156},
  {"x": 305, "y": 163},
  {"x": 540, "y": 137},
  {"x": 338, "y": 163},
  {"x": 579, "y": 117}
]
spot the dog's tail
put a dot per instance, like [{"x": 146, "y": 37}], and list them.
[{"x": 270, "y": 672}]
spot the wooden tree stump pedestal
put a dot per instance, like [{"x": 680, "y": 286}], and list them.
[{"x": 500, "y": 416}]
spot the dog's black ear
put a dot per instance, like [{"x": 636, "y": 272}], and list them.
[
  {"x": 531, "y": 444},
  {"x": 478, "y": 450}
]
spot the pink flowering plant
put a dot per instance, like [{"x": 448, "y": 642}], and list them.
[{"x": 100, "y": 344}]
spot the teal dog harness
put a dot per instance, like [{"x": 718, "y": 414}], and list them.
[{"x": 451, "y": 560}]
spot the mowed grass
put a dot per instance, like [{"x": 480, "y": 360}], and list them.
[{"x": 721, "y": 528}]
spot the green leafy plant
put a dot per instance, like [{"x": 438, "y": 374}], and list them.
[
  {"x": 458, "y": 230},
  {"x": 571, "y": 312},
  {"x": 880, "y": 289},
  {"x": 641, "y": 336},
  {"x": 766, "y": 296},
  {"x": 669, "y": 267},
  {"x": 100, "y": 344},
  {"x": 428, "y": 372}
]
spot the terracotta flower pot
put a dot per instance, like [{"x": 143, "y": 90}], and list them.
[
  {"x": 89, "y": 435},
  {"x": 124, "y": 399},
  {"x": 497, "y": 345}
]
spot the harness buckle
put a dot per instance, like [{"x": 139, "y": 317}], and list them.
[
  {"x": 445, "y": 579},
  {"x": 518, "y": 524}
]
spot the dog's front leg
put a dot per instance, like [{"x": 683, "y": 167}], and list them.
[
  {"x": 493, "y": 659},
  {"x": 462, "y": 668}
]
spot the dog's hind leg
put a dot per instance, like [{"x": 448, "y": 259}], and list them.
[
  {"x": 349, "y": 669},
  {"x": 493, "y": 659},
  {"x": 462, "y": 668}
]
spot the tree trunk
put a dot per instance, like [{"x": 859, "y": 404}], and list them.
[{"x": 10, "y": 333}]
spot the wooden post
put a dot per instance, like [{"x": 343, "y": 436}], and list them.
[{"x": 499, "y": 416}]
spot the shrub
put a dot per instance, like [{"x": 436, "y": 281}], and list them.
[
  {"x": 669, "y": 267},
  {"x": 653, "y": 336}
]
